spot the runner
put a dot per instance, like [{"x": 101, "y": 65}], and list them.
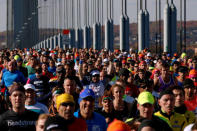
[
  {"x": 94, "y": 120},
  {"x": 175, "y": 120},
  {"x": 18, "y": 118},
  {"x": 65, "y": 107}
]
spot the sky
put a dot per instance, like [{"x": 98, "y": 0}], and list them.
[
  {"x": 3, "y": 15},
  {"x": 131, "y": 9}
]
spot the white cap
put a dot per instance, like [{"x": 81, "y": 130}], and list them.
[
  {"x": 95, "y": 72},
  {"x": 149, "y": 54},
  {"x": 105, "y": 49},
  {"x": 59, "y": 64},
  {"x": 28, "y": 53},
  {"x": 67, "y": 53},
  {"x": 120, "y": 55},
  {"x": 155, "y": 61},
  {"x": 29, "y": 86},
  {"x": 105, "y": 60},
  {"x": 125, "y": 53}
]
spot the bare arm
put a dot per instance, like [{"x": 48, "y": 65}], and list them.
[
  {"x": 156, "y": 82},
  {"x": 80, "y": 72},
  {"x": 110, "y": 69},
  {"x": 1, "y": 74}
]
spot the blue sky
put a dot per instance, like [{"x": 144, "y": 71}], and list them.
[{"x": 131, "y": 8}]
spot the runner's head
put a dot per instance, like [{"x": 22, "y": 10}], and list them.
[
  {"x": 65, "y": 106},
  {"x": 146, "y": 104},
  {"x": 17, "y": 97},
  {"x": 86, "y": 103},
  {"x": 166, "y": 101},
  {"x": 179, "y": 95}
]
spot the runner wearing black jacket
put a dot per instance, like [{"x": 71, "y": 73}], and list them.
[{"x": 18, "y": 118}]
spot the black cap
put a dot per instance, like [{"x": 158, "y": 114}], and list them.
[
  {"x": 148, "y": 123},
  {"x": 38, "y": 70},
  {"x": 182, "y": 69},
  {"x": 55, "y": 123},
  {"x": 188, "y": 83},
  {"x": 90, "y": 62},
  {"x": 19, "y": 59},
  {"x": 59, "y": 69},
  {"x": 124, "y": 72}
]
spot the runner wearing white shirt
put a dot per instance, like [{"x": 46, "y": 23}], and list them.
[
  {"x": 30, "y": 102},
  {"x": 97, "y": 86}
]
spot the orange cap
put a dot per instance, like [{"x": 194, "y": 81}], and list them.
[
  {"x": 142, "y": 62},
  {"x": 175, "y": 54},
  {"x": 141, "y": 55},
  {"x": 118, "y": 125},
  {"x": 192, "y": 73},
  {"x": 155, "y": 70},
  {"x": 116, "y": 51},
  {"x": 123, "y": 61}
]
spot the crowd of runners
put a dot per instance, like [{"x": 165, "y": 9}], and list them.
[{"x": 91, "y": 90}]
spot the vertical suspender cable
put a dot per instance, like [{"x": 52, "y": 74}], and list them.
[
  {"x": 137, "y": 22},
  {"x": 73, "y": 16},
  {"x": 102, "y": 25},
  {"x": 67, "y": 14},
  {"x": 87, "y": 13},
  {"x": 181, "y": 26},
  {"x": 84, "y": 11},
  {"x": 156, "y": 27},
  {"x": 55, "y": 17},
  {"x": 79, "y": 14},
  {"x": 160, "y": 27},
  {"x": 185, "y": 38}
]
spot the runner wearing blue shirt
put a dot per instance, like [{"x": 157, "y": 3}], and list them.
[
  {"x": 52, "y": 67},
  {"x": 12, "y": 75},
  {"x": 95, "y": 121}
]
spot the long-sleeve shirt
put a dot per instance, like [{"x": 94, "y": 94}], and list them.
[{"x": 10, "y": 77}]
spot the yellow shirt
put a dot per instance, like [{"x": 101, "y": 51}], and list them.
[
  {"x": 176, "y": 121},
  {"x": 190, "y": 117}
]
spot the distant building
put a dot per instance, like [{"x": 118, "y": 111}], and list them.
[{"x": 22, "y": 23}]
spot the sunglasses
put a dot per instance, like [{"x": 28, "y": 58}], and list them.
[
  {"x": 95, "y": 75},
  {"x": 106, "y": 98},
  {"x": 144, "y": 87},
  {"x": 68, "y": 104}
]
